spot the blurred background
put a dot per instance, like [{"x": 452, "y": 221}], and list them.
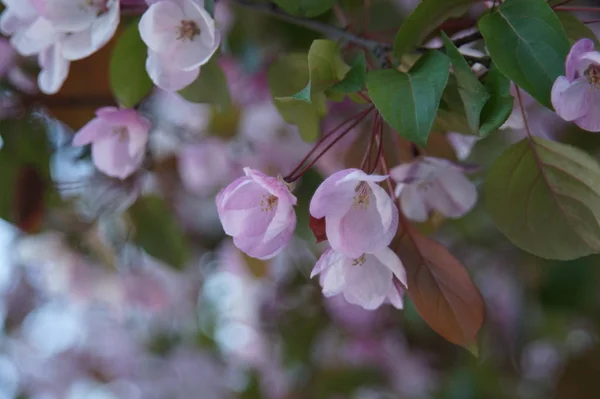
[{"x": 130, "y": 289}]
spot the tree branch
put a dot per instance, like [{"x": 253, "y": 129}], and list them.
[{"x": 317, "y": 26}]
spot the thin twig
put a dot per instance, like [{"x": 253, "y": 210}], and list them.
[
  {"x": 325, "y": 29},
  {"x": 591, "y": 9}
]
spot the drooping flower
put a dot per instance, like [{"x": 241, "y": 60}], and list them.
[
  {"x": 258, "y": 212},
  {"x": 181, "y": 37},
  {"x": 118, "y": 138},
  {"x": 576, "y": 96},
  {"x": 360, "y": 216},
  {"x": 433, "y": 183},
  {"x": 366, "y": 280}
]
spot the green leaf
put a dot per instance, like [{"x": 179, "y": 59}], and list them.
[
  {"x": 305, "y": 8},
  {"x": 428, "y": 15},
  {"x": 574, "y": 28},
  {"x": 157, "y": 232},
  {"x": 409, "y": 101},
  {"x": 528, "y": 44},
  {"x": 128, "y": 78},
  {"x": 288, "y": 75},
  {"x": 326, "y": 68},
  {"x": 500, "y": 105},
  {"x": 25, "y": 145},
  {"x": 545, "y": 197},
  {"x": 210, "y": 86},
  {"x": 474, "y": 95},
  {"x": 354, "y": 81}
]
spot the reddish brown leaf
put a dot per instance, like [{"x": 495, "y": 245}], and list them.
[
  {"x": 29, "y": 200},
  {"x": 318, "y": 228},
  {"x": 441, "y": 289}
]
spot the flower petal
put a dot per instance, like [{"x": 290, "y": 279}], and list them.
[
  {"x": 165, "y": 76},
  {"x": 331, "y": 195},
  {"x": 111, "y": 156},
  {"x": 573, "y": 61},
  {"x": 92, "y": 131},
  {"x": 367, "y": 285},
  {"x": 413, "y": 204},
  {"x": 452, "y": 194},
  {"x": 569, "y": 99},
  {"x": 55, "y": 69},
  {"x": 591, "y": 120},
  {"x": 333, "y": 272},
  {"x": 389, "y": 258}
]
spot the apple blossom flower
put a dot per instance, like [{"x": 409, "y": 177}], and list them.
[
  {"x": 181, "y": 37},
  {"x": 575, "y": 97},
  {"x": 257, "y": 211},
  {"x": 433, "y": 183},
  {"x": 360, "y": 216},
  {"x": 366, "y": 280},
  {"x": 118, "y": 138}
]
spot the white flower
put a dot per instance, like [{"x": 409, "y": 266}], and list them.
[{"x": 181, "y": 37}]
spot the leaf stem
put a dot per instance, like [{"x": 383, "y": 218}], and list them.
[
  {"x": 298, "y": 172},
  {"x": 592, "y": 9}
]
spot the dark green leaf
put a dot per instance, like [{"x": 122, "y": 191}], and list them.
[
  {"x": 305, "y": 8},
  {"x": 575, "y": 28},
  {"x": 157, "y": 232},
  {"x": 545, "y": 197},
  {"x": 428, "y": 15},
  {"x": 354, "y": 80},
  {"x": 473, "y": 94},
  {"x": 409, "y": 101},
  {"x": 25, "y": 146},
  {"x": 128, "y": 78},
  {"x": 500, "y": 105},
  {"x": 210, "y": 86},
  {"x": 289, "y": 75},
  {"x": 528, "y": 44}
]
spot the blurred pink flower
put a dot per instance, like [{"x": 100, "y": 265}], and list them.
[
  {"x": 246, "y": 88},
  {"x": 433, "y": 183},
  {"x": 118, "y": 138},
  {"x": 365, "y": 281},
  {"x": 205, "y": 166},
  {"x": 181, "y": 37},
  {"x": 258, "y": 212},
  {"x": 359, "y": 214},
  {"x": 576, "y": 96}
]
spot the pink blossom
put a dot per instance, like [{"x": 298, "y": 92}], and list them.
[
  {"x": 433, "y": 183},
  {"x": 575, "y": 97},
  {"x": 366, "y": 280},
  {"x": 89, "y": 25},
  {"x": 205, "y": 166},
  {"x": 257, "y": 211},
  {"x": 360, "y": 216},
  {"x": 181, "y": 37},
  {"x": 118, "y": 138}
]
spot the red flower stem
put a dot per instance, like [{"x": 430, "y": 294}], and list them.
[
  {"x": 379, "y": 140},
  {"x": 562, "y": 4},
  {"x": 325, "y": 137},
  {"x": 591, "y": 21},
  {"x": 366, "y": 161},
  {"x": 291, "y": 178}
]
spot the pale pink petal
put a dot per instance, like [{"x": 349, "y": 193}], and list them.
[
  {"x": 333, "y": 272},
  {"x": 591, "y": 120},
  {"x": 137, "y": 141},
  {"x": 11, "y": 22},
  {"x": 386, "y": 208},
  {"x": 462, "y": 144},
  {"x": 36, "y": 38},
  {"x": 322, "y": 263},
  {"x": 413, "y": 204},
  {"x": 367, "y": 285},
  {"x": 80, "y": 45},
  {"x": 573, "y": 61},
  {"x": 412, "y": 172},
  {"x": 257, "y": 248},
  {"x": 452, "y": 194},
  {"x": 389, "y": 258},
  {"x": 92, "y": 131},
  {"x": 272, "y": 185},
  {"x": 69, "y": 17},
  {"x": 110, "y": 155},
  {"x": 283, "y": 218},
  {"x": 165, "y": 76},
  {"x": 395, "y": 296},
  {"x": 55, "y": 69},
  {"x": 240, "y": 209},
  {"x": 159, "y": 23},
  {"x": 569, "y": 99},
  {"x": 333, "y": 196}
]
